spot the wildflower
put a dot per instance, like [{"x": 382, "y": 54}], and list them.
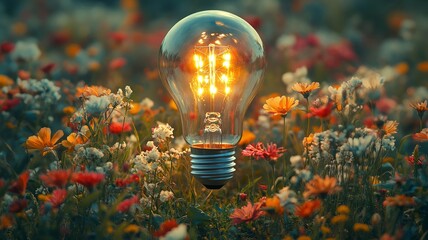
[
  {"x": 341, "y": 218},
  {"x": 126, "y": 204},
  {"x": 162, "y": 132},
  {"x": 272, "y": 152},
  {"x": 385, "y": 105},
  {"x": 128, "y": 91},
  {"x": 308, "y": 208},
  {"x": 399, "y": 201},
  {"x": 69, "y": 110},
  {"x": 280, "y": 105},
  {"x": 75, "y": 139},
  {"x": 263, "y": 187},
  {"x": 88, "y": 91},
  {"x": 6, "y": 221},
  {"x": 6, "y": 47},
  {"x": 390, "y": 127},
  {"x": 39, "y": 92},
  {"x": 361, "y": 227},
  {"x": 411, "y": 160},
  {"x": 421, "y": 136},
  {"x": 58, "y": 197},
  {"x": 47, "y": 69},
  {"x": 90, "y": 153},
  {"x": 422, "y": 66},
  {"x": 57, "y": 178},
  {"x": 146, "y": 104},
  {"x": 304, "y": 237},
  {"x": 325, "y": 230},
  {"x": 246, "y": 213},
  {"x": 87, "y": 179},
  {"x": 166, "y": 196},
  {"x": 343, "y": 209},
  {"x": 132, "y": 228},
  {"x": 305, "y": 88},
  {"x": 255, "y": 151},
  {"x": 20, "y": 185},
  {"x": 375, "y": 219},
  {"x": 170, "y": 230},
  {"x": 287, "y": 196},
  {"x": 165, "y": 227},
  {"x": 119, "y": 127},
  {"x": 97, "y": 105},
  {"x": 117, "y": 63},
  {"x": 273, "y": 206},
  {"x": 242, "y": 196},
  {"x": 27, "y": 51},
  {"x": 296, "y": 161},
  {"x": 18, "y": 205},
  {"x": 420, "y": 107},
  {"x": 43, "y": 141},
  {"x": 323, "y": 111},
  {"x": 402, "y": 68},
  {"x": 247, "y": 138},
  {"x": 5, "y": 81},
  {"x": 134, "y": 178},
  {"x": 308, "y": 140},
  {"x": 321, "y": 187}
]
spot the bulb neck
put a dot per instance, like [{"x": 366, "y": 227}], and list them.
[{"x": 213, "y": 167}]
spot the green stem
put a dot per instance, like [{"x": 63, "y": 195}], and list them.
[{"x": 309, "y": 119}]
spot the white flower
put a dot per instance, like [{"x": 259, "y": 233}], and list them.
[
  {"x": 128, "y": 92},
  {"x": 146, "y": 104},
  {"x": 163, "y": 132},
  {"x": 287, "y": 196},
  {"x": 108, "y": 166},
  {"x": 296, "y": 161},
  {"x": 166, "y": 196},
  {"x": 178, "y": 233},
  {"x": 99, "y": 169},
  {"x": 25, "y": 50}
]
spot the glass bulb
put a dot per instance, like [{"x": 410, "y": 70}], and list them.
[{"x": 212, "y": 63}]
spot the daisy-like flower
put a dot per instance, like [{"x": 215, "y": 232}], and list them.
[
  {"x": 390, "y": 127},
  {"x": 421, "y": 136},
  {"x": 308, "y": 208},
  {"x": 272, "y": 152},
  {"x": 420, "y": 107},
  {"x": 255, "y": 151},
  {"x": 57, "y": 198},
  {"x": 321, "y": 187},
  {"x": 43, "y": 141},
  {"x": 57, "y": 178},
  {"x": 170, "y": 229},
  {"x": 75, "y": 139},
  {"x": 399, "y": 201},
  {"x": 305, "y": 88},
  {"x": 280, "y": 105},
  {"x": 246, "y": 213}
]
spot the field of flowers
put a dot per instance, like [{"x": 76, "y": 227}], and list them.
[{"x": 335, "y": 144}]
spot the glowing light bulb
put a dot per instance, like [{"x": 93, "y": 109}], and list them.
[{"x": 212, "y": 63}]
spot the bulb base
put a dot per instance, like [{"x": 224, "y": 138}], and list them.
[{"x": 213, "y": 167}]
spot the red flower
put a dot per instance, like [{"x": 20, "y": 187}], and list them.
[
  {"x": 1, "y": 183},
  {"x": 23, "y": 75},
  {"x": 18, "y": 205},
  {"x": 118, "y": 127},
  {"x": 57, "y": 178},
  {"x": 321, "y": 112},
  {"x": 120, "y": 182},
  {"x": 125, "y": 205},
  {"x": 87, "y": 179},
  {"x": 118, "y": 37},
  {"x": 411, "y": 160},
  {"x": 46, "y": 69},
  {"x": 263, "y": 187},
  {"x": 255, "y": 151},
  {"x": 6, "y": 47},
  {"x": 246, "y": 213},
  {"x": 272, "y": 152},
  {"x": 308, "y": 208},
  {"x": 117, "y": 63},
  {"x": 58, "y": 197},
  {"x": 20, "y": 185},
  {"x": 243, "y": 196},
  {"x": 9, "y": 104},
  {"x": 165, "y": 227}
]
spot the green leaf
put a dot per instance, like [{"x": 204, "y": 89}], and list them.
[
  {"x": 250, "y": 184},
  {"x": 196, "y": 215}
]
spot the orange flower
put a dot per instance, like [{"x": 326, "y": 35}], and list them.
[
  {"x": 321, "y": 187},
  {"x": 402, "y": 68},
  {"x": 399, "y": 200},
  {"x": 308, "y": 208},
  {"x": 72, "y": 50},
  {"x": 273, "y": 205},
  {"x": 308, "y": 140},
  {"x": 43, "y": 141},
  {"x": 69, "y": 110},
  {"x": 5, "y": 81},
  {"x": 420, "y": 107},
  {"x": 421, "y": 136},
  {"x": 20, "y": 185},
  {"x": 77, "y": 138},
  {"x": 280, "y": 105},
  {"x": 87, "y": 91},
  {"x": 246, "y": 213},
  {"x": 361, "y": 227},
  {"x": 423, "y": 66},
  {"x": 6, "y": 221},
  {"x": 305, "y": 88},
  {"x": 390, "y": 127},
  {"x": 247, "y": 138},
  {"x": 57, "y": 178}
]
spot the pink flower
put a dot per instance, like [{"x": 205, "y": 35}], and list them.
[
  {"x": 254, "y": 151},
  {"x": 58, "y": 197},
  {"x": 56, "y": 178},
  {"x": 246, "y": 213},
  {"x": 272, "y": 152},
  {"x": 126, "y": 204},
  {"x": 117, "y": 63}
]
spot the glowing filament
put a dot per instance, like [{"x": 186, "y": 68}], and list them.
[{"x": 213, "y": 89}]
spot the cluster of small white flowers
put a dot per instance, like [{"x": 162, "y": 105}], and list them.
[
  {"x": 26, "y": 50},
  {"x": 165, "y": 196},
  {"x": 296, "y": 161},
  {"x": 40, "y": 92},
  {"x": 163, "y": 132},
  {"x": 147, "y": 161},
  {"x": 89, "y": 153},
  {"x": 128, "y": 92},
  {"x": 118, "y": 146}
]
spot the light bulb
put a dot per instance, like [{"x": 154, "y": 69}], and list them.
[{"x": 212, "y": 63}]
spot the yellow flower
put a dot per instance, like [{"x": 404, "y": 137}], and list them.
[
  {"x": 325, "y": 230},
  {"x": 390, "y": 127},
  {"x": 361, "y": 227},
  {"x": 69, "y": 110},
  {"x": 273, "y": 205},
  {"x": 5, "y": 81},
  {"x": 77, "y": 138},
  {"x": 44, "y": 197},
  {"x": 308, "y": 140},
  {"x": 339, "y": 219},
  {"x": 43, "y": 141},
  {"x": 321, "y": 187},
  {"x": 132, "y": 228},
  {"x": 305, "y": 88},
  {"x": 135, "y": 108},
  {"x": 374, "y": 180},
  {"x": 247, "y": 138},
  {"x": 343, "y": 209},
  {"x": 280, "y": 105}
]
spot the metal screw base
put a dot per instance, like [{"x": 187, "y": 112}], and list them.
[{"x": 213, "y": 167}]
